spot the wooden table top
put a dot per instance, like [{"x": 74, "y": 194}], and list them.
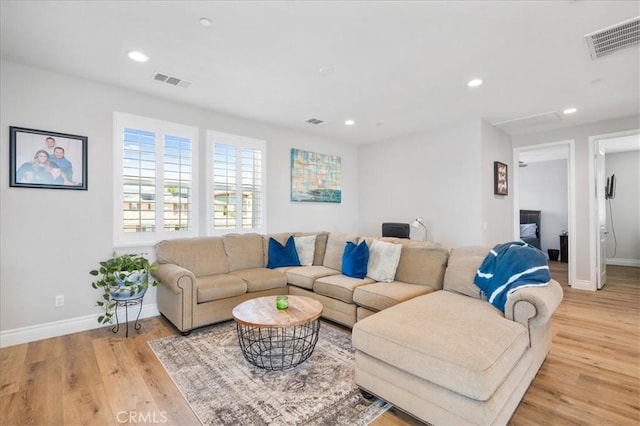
[{"x": 262, "y": 312}]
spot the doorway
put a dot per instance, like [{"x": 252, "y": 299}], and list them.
[
  {"x": 599, "y": 146},
  {"x": 562, "y": 150}
]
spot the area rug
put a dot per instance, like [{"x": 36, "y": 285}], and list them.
[{"x": 222, "y": 388}]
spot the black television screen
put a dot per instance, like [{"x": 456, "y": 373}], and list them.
[
  {"x": 398, "y": 230},
  {"x": 610, "y": 191}
]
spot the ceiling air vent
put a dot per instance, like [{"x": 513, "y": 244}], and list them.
[
  {"x": 528, "y": 122},
  {"x": 616, "y": 37},
  {"x": 314, "y": 121},
  {"x": 174, "y": 81}
]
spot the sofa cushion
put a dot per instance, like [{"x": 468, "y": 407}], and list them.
[
  {"x": 258, "y": 279},
  {"x": 282, "y": 255},
  {"x": 335, "y": 247},
  {"x": 321, "y": 245},
  {"x": 457, "y": 342},
  {"x": 305, "y": 276},
  {"x": 221, "y": 286},
  {"x": 422, "y": 262},
  {"x": 339, "y": 286},
  {"x": 306, "y": 249},
  {"x": 379, "y": 296},
  {"x": 202, "y": 256},
  {"x": 244, "y": 251},
  {"x": 461, "y": 270},
  {"x": 383, "y": 261},
  {"x": 355, "y": 259}
]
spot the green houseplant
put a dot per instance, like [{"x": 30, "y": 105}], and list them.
[{"x": 122, "y": 277}]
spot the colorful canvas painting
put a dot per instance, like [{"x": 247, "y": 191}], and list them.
[{"x": 315, "y": 177}]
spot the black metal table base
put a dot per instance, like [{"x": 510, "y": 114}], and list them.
[
  {"x": 126, "y": 304},
  {"x": 278, "y": 348}
]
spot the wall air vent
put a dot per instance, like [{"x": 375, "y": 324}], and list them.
[
  {"x": 528, "y": 122},
  {"x": 174, "y": 81},
  {"x": 616, "y": 37},
  {"x": 314, "y": 121}
]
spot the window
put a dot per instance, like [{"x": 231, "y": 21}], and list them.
[
  {"x": 155, "y": 188},
  {"x": 236, "y": 184}
]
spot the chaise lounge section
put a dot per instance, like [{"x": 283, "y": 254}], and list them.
[{"x": 452, "y": 358}]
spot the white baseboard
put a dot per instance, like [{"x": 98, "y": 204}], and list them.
[
  {"x": 624, "y": 262},
  {"x": 32, "y": 333},
  {"x": 584, "y": 285}
]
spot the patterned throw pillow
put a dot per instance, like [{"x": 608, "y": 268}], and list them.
[
  {"x": 383, "y": 261},
  {"x": 306, "y": 248}
]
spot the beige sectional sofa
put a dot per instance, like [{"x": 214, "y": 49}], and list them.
[
  {"x": 203, "y": 279},
  {"x": 426, "y": 342}
]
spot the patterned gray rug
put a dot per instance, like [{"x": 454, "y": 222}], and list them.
[{"x": 222, "y": 388}]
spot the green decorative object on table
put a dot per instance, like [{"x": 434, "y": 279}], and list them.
[
  {"x": 124, "y": 277},
  {"x": 282, "y": 302}
]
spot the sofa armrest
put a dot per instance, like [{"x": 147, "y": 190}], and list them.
[
  {"x": 175, "y": 277},
  {"x": 534, "y": 305}
]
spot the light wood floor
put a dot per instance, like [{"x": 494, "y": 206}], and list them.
[{"x": 591, "y": 376}]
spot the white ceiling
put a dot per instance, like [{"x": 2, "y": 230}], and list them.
[{"x": 398, "y": 66}]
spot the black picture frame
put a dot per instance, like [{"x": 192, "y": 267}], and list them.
[
  {"x": 65, "y": 164},
  {"x": 500, "y": 178}
]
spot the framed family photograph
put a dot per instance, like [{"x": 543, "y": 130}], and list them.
[
  {"x": 500, "y": 178},
  {"x": 44, "y": 159}
]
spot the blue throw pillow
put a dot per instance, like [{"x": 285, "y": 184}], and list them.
[
  {"x": 280, "y": 255},
  {"x": 355, "y": 259}
]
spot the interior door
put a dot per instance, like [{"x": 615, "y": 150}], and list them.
[{"x": 602, "y": 218}]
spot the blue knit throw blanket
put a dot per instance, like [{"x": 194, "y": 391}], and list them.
[{"x": 507, "y": 268}]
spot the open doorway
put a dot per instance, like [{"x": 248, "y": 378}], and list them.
[
  {"x": 549, "y": 158},
  {"x": 604, "y": 240}
]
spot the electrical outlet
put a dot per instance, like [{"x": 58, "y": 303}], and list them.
[{"x": 59, "y": 300}]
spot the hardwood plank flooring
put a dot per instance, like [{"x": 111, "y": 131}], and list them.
[{"x": 591, "y": 376}]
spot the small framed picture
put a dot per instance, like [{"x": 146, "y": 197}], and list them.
[
  {"x": 44, "y": 159},
  {"x": 500, "y": 178}
]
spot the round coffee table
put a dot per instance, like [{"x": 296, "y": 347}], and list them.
[{"x": 277, "y": 339}]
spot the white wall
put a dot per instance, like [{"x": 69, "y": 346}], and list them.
[
  {"x": 543, "y": 186},
  {"x": 624, "y": 209},
  {"x": 497, "y": 209},
  {"x": 580, "y": 134},
  {"x": 445, "y": 176},
  {"x": 413, "y": 176},
  {"x": 50, "y": 239}
]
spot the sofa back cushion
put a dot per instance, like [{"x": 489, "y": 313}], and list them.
[
  {"x": 422, "y": 262},
  {"x": 335, "y": 248},
  {"x": 461, "y": 271},
  {"x": 321, "y": 248},
  {"x": 244, "y": 251},
  {"x": 202, "y": 256}
]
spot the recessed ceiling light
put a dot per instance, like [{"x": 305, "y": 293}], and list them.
[
  {"x": 569, "y": 110},
  {"x": 138, "y": 56},
  {"x": 325, "y": 71},
  {"x": 474, "y": 83},
  {"x": 349, "y": 122},
  {"x": 206, "y": 22}
]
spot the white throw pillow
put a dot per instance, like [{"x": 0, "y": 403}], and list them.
[
  {"x": 383, "y": 261},
  {"x": 306, "y": 248},
  {"x": 528, "y": 230}
]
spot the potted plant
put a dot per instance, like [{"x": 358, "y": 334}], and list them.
[{"x": 123, "y": 277}]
